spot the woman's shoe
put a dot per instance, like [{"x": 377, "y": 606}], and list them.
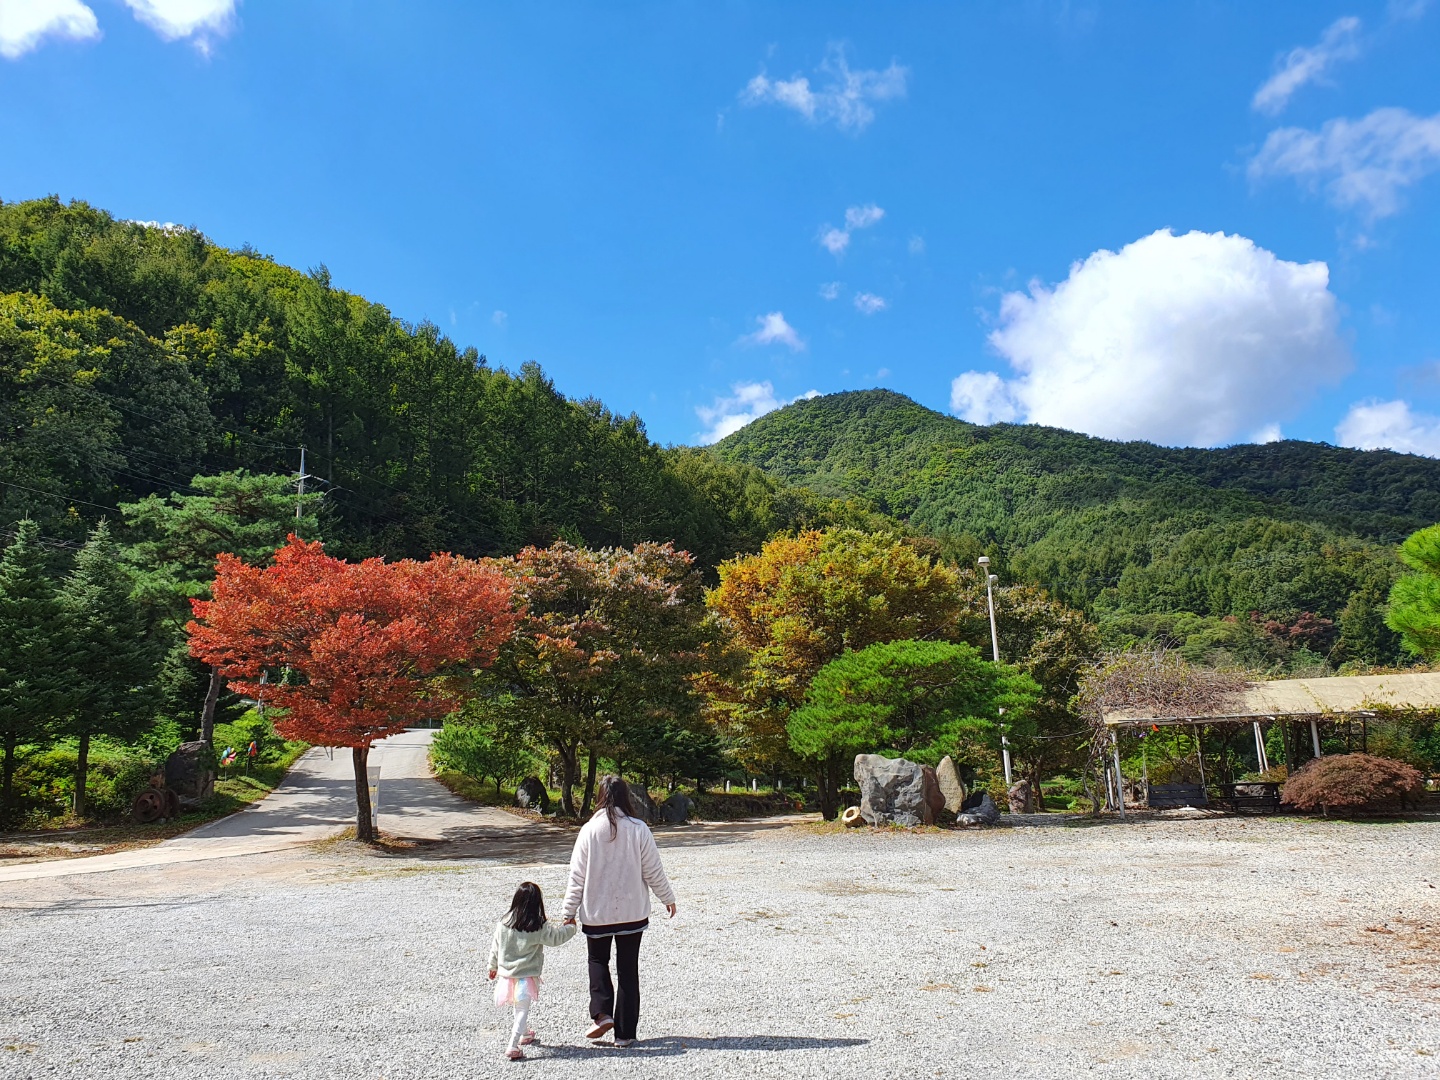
[
  {"x": 602, "y": 1027},
  {"x": 623, "y": 1043}
]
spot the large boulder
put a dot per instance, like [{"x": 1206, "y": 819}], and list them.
[
  {"x": 986, "y": 813},
  {"x": 894, "y": 791},
  {"x": 531, "y": 795},
  {"x": 1022, "y": 797},
  {"x": 640, "y": 800},
  {"x": 676, "y": 809},
  {"x": 947, "y": 776},
  {"x": 190, "y": 772}
]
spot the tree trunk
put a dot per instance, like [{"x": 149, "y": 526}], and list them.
[
  {"x": 82, "y": 769},
  {"x": 7, "y": 780},
  {"x": 364, "y": 827},
  {"x": 568, "y": 769},
  {"x": 212, "y": 698},
  {"x": 591, "y": 756},
  {"x": 828, "y": 790}
]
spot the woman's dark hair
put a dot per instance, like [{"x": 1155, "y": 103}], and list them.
[
  {"x": 614, "y": 795},
  {"x": 527, "y": 910}
]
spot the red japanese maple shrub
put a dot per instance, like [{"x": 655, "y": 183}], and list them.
[{"x": 1352, "y": 781}]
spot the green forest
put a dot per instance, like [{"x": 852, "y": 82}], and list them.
[
  {"x": 159, "y": 394},
  {"x": 1277, "y": 557}
]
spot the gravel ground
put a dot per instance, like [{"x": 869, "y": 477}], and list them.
[{"x": 1217, "y": 948}]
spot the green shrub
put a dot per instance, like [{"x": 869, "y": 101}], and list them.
[{"x": 1353, "y": 781}]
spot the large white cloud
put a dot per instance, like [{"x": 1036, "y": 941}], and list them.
[
  {"x": 1389, "y": 425},
  {"x": 1308, "y": 63},
  {"x": 1360, "y": 164},
  {"x": 26, "y": 23},
  {"x": 748, "y": 401},
  {"x": 846, "y": 98},
  {"x": 1199, "y": 340}
]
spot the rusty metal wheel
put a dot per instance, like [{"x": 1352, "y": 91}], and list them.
[
  {"x": 149, "y": 806},
  {"x": 172, "y": 803}
]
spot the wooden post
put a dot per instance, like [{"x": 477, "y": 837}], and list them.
[
  {"x": 1119, "y": 779},
  {"x": 1200, "y": 754}
]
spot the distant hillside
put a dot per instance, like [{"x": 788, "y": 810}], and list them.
[{"x": 1125, "y": 529}]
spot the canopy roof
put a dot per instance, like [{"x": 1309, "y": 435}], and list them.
[{"x": 1352, "y": 695}]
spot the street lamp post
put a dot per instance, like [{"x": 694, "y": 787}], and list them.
[{"x": 990, "y": 580}]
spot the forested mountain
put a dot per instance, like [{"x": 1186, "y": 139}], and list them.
[
  {"x": 1292, "y": 541},
  {"x": 134, "y": 358}
]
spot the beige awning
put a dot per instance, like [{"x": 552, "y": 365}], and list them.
[{"x": 1353, "y": 695}]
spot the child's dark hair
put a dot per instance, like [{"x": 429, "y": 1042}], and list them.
[{"x": 527, "y": 910}]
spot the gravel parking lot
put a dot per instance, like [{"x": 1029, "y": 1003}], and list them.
[{"x": 1210, "y": 948}]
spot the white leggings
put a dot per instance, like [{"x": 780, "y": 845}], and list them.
[{"x": 522, "y": 1020}]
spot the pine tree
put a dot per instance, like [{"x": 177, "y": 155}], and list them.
[
  {"x": 113, "y": 661},
  {"x": 34, "y": 681}
]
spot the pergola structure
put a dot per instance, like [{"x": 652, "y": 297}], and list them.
[{"x": 1317, "y": 700}]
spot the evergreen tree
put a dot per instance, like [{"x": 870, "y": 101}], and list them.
[
  {"x": 33, "y": 679},
  {"x": 112, "y": 660},
  {"x": 178, "y": 538},
  {"x": 1415, "y": 598}
]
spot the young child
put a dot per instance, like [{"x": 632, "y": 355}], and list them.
[{"x": 517, "y": 955}]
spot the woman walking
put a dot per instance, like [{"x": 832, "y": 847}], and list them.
[{"x": 613, "y": 870}]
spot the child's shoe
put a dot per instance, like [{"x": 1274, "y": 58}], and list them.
[
  {"x": 515, "y": 1055},
  {"x": 528, "y": 1038}
]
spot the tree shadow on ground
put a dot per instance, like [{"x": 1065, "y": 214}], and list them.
[{"x": 675, "y": 1045}]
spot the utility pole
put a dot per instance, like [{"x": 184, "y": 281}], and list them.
[
  {"x": 990, "y": 581},
  {"x": 300, "y": 499}
]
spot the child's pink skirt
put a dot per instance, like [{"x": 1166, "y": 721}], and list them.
[{"x": 509, "y": 991}]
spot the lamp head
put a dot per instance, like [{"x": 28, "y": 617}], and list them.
[
  {"x": 983, "y": 560},
  {"x": 994, "y": 579}
]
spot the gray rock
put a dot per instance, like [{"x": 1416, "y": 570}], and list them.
[
  {"x": 894, "y": 791},
  {"x": 676, "y": 809},
  {"x": 987, "y": 813},
  {"x": 1022, "y": 797},
  {"x": 947, "y": 776},
  {"x": 190, "y": 772},
  {"x": 531, "y": 795},
  {"x": 640, "y": 799}
]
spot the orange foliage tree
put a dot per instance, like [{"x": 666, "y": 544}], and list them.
[{"x": 353, "y": 651}]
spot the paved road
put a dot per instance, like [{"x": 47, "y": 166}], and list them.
[{"x": 316, "y": 800}]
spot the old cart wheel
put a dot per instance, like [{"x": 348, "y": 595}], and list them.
[
  {"x": 149, "y": 806},
  {"x": 172, "y": 803}
]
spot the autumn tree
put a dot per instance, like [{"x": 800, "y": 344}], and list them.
[
  {"x": 34, "y": 687},
  {"x": 354, "y": 652},
  {"x": 611, "y": 641},
  {"x": 176, "y": 539},
  {"x": 803, "y": 601}
]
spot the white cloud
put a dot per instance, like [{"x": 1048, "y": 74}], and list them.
[
  {"x": 1361, "y": 164},
  {"x": 982, "y": 397},
  {"x": 1198, "y": 340},
  {"x": 749, "y": 401},
  {"x": 834, "y": 240},
  {"x": 200, "y": 20},
  {"x": 1308, "y": 63},
  {"x": 846, "y": 98},
  {"x": 1390, "y": 425},
  {"x": 870, "y": 304},
  {"x": 26, "y": 23},
  {"x": 1268, "y": 434},
  {"x": 917, "y": 245},
  {"x": 831, "y": 290},
  {"x": 774, "y": 330},
  {"x": 862, "y": 217}
]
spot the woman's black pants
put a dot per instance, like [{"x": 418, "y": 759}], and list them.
[{"x": 623, "y": 1006}]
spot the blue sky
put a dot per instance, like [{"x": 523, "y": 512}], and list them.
[{"x": 700, "y": 211}]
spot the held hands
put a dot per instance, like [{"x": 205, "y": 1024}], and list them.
[
  {"x": 569, "y": 922},
  {"x": 491, "y": 976}
]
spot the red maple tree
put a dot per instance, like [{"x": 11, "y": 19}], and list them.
[{"x": 353, "y": 651}]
